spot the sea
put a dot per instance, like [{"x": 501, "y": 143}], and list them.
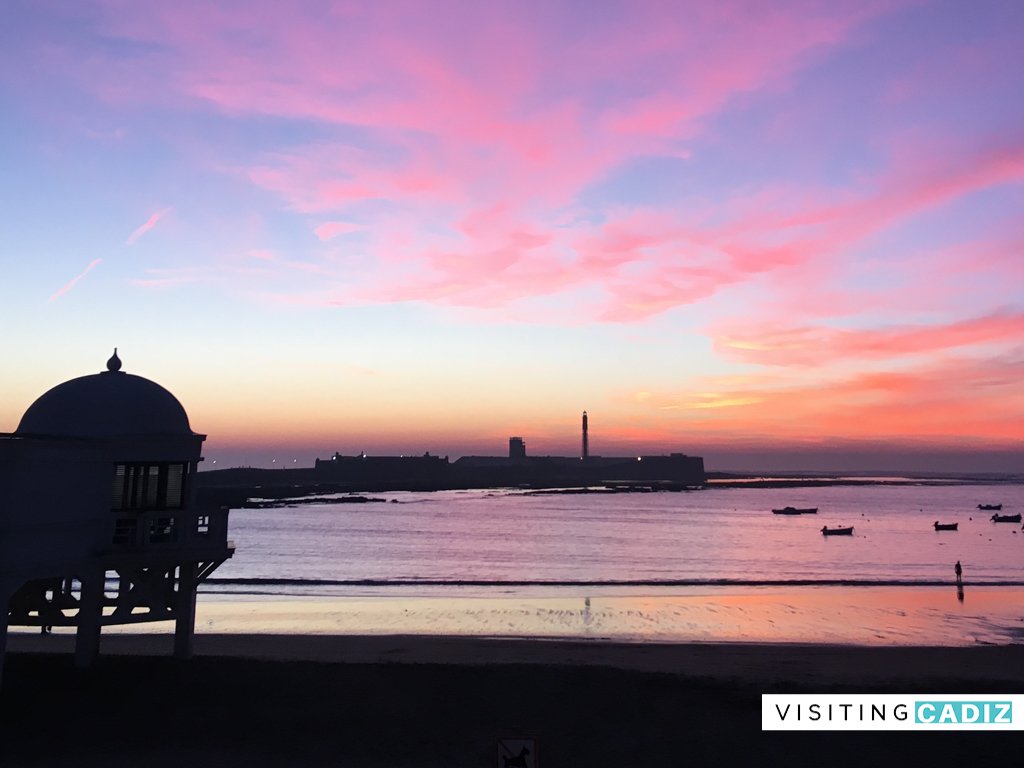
[
  {"x": 529, "y": 541},
  {"x": 712, "y": 565}
]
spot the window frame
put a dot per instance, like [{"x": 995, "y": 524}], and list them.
[{"x": 142, "y": 486}]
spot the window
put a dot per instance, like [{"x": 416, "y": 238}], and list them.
[
  {"x": 175, "y": 486},
  {"x": 149, "y": 486}
]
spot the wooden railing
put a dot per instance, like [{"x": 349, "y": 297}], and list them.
[{"x": 170, "y": 528}]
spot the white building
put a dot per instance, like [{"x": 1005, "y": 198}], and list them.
[{"x": 98, "y": 524}]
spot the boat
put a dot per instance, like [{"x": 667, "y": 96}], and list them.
[
  {"x": 796, "y": 511},
  {"x": 945, "y": 526},
  {"x": 826, "y": 531},
  {"x": 990, "y": 507},
  {"x": 1006, "y": 518}
]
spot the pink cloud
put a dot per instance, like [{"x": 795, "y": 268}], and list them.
[
  {"x": 493, "y": 259},
  {"x": 425, "y": 123},
  {"x": 803, "y": 227},
  {"x": 771, "y": 232},
  {"x": 71, "y": 283},
  {"x": 489, "y": 109},
  {"x": 145, "y": 227},
  {"x": 648, "y": 262},
  {"x": 331, "y": 229}
]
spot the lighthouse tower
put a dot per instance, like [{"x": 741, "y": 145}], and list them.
[
  {"x": 586, "y": 444},
  {"x": 98, "y": 524}
]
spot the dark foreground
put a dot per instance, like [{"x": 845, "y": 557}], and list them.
[{"x": 223, "y": 711}]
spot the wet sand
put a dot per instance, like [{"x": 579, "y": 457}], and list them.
[{"x": 913, "y": 616}]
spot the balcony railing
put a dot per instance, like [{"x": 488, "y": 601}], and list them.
[{"x": 170, "y": 528}]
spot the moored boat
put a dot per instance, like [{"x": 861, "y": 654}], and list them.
[
  {"x": 826, "y": 531},
  {"x": 1006, "y": 518},
  {"x": 796, "y": 511},
  {"x": 990, "y": 507},
  {"x": 945, "y": 526}
]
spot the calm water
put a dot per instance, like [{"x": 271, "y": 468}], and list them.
[{"x": 716, "y": 534}]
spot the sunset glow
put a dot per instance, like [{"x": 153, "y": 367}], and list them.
[{"x": 730, "y": 229}]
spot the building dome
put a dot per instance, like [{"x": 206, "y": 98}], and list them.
[{"x": 106, "y": 404}]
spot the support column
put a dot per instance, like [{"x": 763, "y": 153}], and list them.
[
  {"x": 3, "y": 636},
  {"x": 90, "y": 615},
  {"x": 185, "y": 610}
]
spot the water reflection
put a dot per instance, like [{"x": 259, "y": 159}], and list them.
[{"x": 868, "y": 616}]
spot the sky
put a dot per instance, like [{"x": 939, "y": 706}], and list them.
[{"x": 780, "y": 235}]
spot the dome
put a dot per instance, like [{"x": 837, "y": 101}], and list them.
[{"x": 106, "y": 405}]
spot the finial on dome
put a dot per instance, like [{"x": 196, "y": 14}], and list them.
[{"x": 114, "y": 363}]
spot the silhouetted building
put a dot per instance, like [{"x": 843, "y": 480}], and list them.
[
  {"x": 423, "y": 473},
  {"x": 426, "y": 472},
  {"x": 96, "y": 487},
  {"x": 676, "y": 469},
  {"x": 380, "y": 471}
]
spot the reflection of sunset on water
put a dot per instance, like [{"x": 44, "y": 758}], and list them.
[{"x": 858, "y": 616}]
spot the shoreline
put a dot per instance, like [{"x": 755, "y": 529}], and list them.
[{"x": 599, "y": 583}]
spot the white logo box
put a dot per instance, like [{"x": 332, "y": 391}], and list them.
[{"x": 892, "y": 712}]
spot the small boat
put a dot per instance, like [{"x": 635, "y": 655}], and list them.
[
  {"x": 826, "y": 531},
  {"x": 1006, "y": 518},
  {"x": 945, "y": 526},
  {"x": 990, "y": 507},
  {"x": 796, "y": 511}
]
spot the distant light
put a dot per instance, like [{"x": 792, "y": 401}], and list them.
[
  {"x": 214, "y": 461},
  {"x": 273, "y": 461},
  {"x": 294, "y": 461},
  {"x": 639, "y": 458}
]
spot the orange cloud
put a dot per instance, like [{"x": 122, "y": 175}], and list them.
[
  {"x": 822, "y": 346},
  {"x": 950, "y": 402}
]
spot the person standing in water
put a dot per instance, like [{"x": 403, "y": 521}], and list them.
[{"x": 959, "y": 572}]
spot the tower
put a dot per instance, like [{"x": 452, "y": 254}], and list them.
[
  {"x": 586, "y": 446},
  {"x": 516, "y": 448}
]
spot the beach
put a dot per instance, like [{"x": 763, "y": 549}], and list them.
[
  {"x": 770, "y": 665},
  {"x": 294, "y": 682},
  {"x": 301, "y": 700}
]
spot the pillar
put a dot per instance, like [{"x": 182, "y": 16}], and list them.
[
  {"x": 90, "y": 616},
  {"x": 185, "y": 610},
  {"x": 3, "y": 636}
]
